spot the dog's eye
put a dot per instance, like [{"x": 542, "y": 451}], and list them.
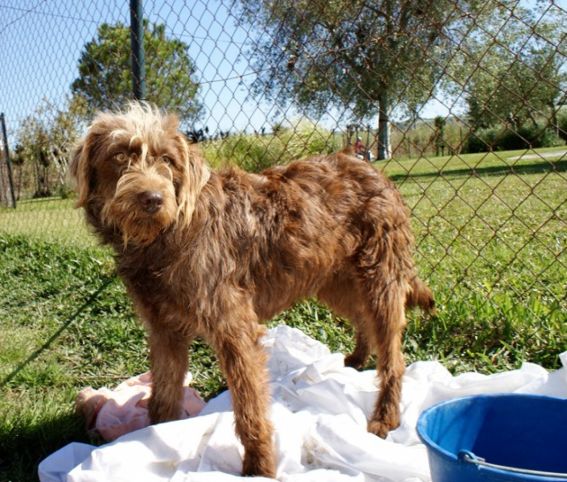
[
  {"x": 168, "y": 160},
  {"x": 121, "y": 158}
]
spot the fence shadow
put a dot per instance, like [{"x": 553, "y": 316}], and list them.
[
  {"x": 47, "y": 344},
  {"x": 535, "y": 168}
]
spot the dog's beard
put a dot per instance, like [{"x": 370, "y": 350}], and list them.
[{"x": 136, "y": 226}]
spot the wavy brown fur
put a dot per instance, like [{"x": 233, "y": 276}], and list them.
[{"x": 227, "y": 250}]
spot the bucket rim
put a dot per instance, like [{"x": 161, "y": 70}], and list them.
[{"x": 440, "y": 451}]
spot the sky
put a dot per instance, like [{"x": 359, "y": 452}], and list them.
[{"x": 41, "y": 42}]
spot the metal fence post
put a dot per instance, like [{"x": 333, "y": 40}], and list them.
[
  {"x": 12, "y": 197},
  {"x": 137, "y": 49}
]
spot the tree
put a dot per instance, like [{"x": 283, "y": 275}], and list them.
[
  {"x": 366, "y": 56},
  {"x": 515, "y": 91},
  {"x": 439, "y": 135},
  {"x": 44, "y": 140},
  {"x": 513, "y": 69},
  {"x": 105, "y": 74}
]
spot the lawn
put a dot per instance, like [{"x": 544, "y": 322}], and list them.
[
  {"x": 491, "y": 237},
  {"x": 47, "y": 219}
]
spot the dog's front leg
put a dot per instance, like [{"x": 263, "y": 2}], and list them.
[
  {"x": 243, "y": 362},
  {"x": 169, "y": 362}
]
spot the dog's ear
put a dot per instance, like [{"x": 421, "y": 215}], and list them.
[
  {"x": 195, "y": 176},
  {"x": 81, "y": 170}
]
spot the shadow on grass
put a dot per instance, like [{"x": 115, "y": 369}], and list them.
[
  {"x": 57, "y": 333},
  {"x": 535, "y": 168},
  {"x": 23, "y": 447}
]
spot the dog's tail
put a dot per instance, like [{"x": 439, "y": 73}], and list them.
[{"x": 420, "y": 295}]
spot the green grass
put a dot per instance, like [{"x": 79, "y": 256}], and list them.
[
  {"x": 47, "y": 219},
  {"x": 491, "y": 242}
]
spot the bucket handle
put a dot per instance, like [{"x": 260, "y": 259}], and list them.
[{"x": 471, "y": 458}]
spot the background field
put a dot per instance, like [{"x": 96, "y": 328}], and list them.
[{"x": 490, "y": 234}]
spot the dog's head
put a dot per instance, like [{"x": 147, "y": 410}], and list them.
[{"x": 136, "y": 174}]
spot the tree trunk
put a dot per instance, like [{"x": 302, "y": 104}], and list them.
[
  {"x": 384, "y": 147},
  {"x": 554, "y": 120}
]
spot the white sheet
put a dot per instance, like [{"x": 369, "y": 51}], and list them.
[{"x": 319, "y": 411}]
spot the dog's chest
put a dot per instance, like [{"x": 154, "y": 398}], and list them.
[{"x": 150, "y": 278}]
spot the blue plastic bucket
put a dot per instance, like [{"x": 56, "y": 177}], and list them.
[{"x": 496, "y": 438}]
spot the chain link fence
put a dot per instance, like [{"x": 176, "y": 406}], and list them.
[{"x": 462, "y": 103}]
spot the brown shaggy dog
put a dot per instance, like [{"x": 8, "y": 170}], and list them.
[{"x": 212, "y": 254}]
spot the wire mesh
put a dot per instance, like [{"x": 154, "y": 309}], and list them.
[{"x": 461, "y": 103}]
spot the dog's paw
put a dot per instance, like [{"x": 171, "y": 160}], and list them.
[
  {"x": 354, "y": 361},
  {"x": 256, "y": 464},
  {"x": 379, "y": 428}
]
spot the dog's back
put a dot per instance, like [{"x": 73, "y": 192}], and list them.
[{"x": 315, "y": 220}]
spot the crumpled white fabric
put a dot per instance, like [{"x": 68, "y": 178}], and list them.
[{"x": 319, "y": 411}]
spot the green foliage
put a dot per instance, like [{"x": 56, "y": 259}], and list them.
[
  {"x": 380, "y": 46},
  {"x": 516, "y": 79},
  {"x": 483, "y": 140},
  {"x": 255, "y": 153},
  {"x": 105, "y": 76},
  {"x": 425, "y": 138},
  {"x": 43, "y": 142},
  {"x": 562, "y": 124},
  {"x": 250, "y": 153},
  {"x": 362, "y": 57},
  {"x": 500, "y": 138}
]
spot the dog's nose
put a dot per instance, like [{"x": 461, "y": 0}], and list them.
[{"x": 151, "y": 201}]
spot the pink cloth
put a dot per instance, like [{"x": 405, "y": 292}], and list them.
[{"x": 113, "y": 413}]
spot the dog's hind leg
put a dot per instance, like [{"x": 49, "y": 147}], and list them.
[
  {"x": 243, "y": 362},
  {"x": 385, "y": 267},
  {"x": 358, "y": 358},
  {"x": 389, "y": 322},
  {"x": 342, "y": 294},
  {"x": 376, "y": 310}
]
